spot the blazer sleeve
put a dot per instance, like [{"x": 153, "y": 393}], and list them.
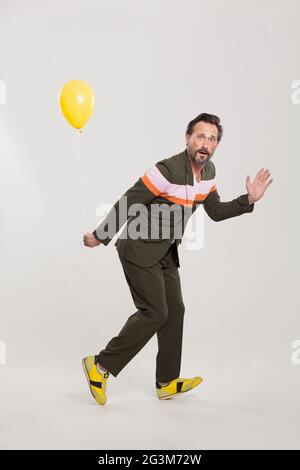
[
  {"x": 145, "y": 189},
  {"x": 218, "y": 210}
]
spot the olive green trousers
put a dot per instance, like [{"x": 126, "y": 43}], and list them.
[{"x": 156, "y": 293}]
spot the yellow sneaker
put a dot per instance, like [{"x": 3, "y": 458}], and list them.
[
  {"x": 177, "y": 387},
  {"x": 96, "y": 380}
]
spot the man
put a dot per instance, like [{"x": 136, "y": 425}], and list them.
[{"x": 150, "y": 263}]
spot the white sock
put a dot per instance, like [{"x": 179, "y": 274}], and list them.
[{"x": 102, "y": 371}]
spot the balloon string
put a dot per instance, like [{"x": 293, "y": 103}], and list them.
[{"x": 83, "y": 207}]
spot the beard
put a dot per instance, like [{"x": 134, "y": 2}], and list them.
[{"x": 199, "y": 158}]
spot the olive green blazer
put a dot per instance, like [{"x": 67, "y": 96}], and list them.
[{"x": 169, "y": 182}]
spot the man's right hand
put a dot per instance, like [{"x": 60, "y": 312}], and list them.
[{"x": 90, "y": 240}]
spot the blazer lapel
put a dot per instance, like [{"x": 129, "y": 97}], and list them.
[{"x": 188, "y": 169}]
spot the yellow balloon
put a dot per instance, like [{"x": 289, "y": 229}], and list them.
[{"x": 76, "y": 100}]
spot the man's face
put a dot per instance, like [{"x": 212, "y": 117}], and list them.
[{"x": 202, "y": 143}]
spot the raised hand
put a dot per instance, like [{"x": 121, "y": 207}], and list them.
[{"x": 257, "y": 189}]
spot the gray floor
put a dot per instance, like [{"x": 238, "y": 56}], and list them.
[{"x": 49, "y": 406}]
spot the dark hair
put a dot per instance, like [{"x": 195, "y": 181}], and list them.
[{"x": 205, "y": 117}]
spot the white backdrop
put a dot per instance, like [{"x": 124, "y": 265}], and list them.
[{"x": 153, "y": 66}]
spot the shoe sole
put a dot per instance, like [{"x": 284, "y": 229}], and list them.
[
  {"x": 88, "y": 381},
  {"x": 179, "y": 393}
]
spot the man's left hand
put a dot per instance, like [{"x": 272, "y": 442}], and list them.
[{"x": 257, "y": 188}]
